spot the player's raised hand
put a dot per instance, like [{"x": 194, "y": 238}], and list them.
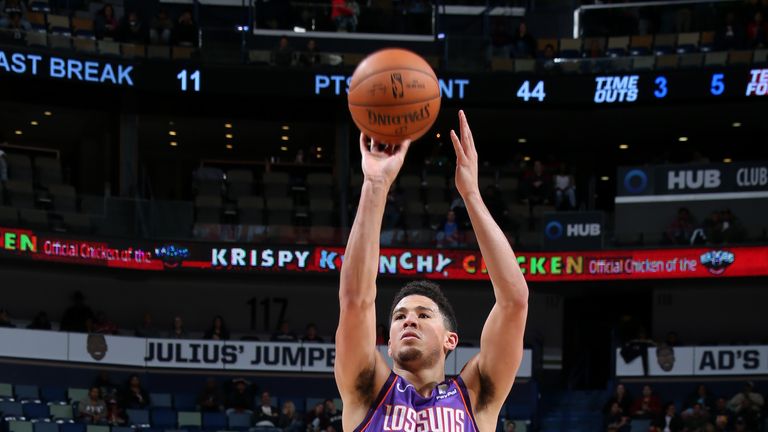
[
  {"x": 381, "y": 162},
  {"x": 466, "y": 159}
]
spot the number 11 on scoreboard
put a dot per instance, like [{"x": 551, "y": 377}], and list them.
[
  {"x": 525, "y": 93},
  {"x": 185, "y": 78}
]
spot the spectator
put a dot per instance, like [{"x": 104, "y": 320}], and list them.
[
  {"x": 266, "y": 413},
  {"x": 133, "y": 30},
  {"x": 669, "y": 421},
  {"x": 105, "y": 384},
  {"x": 147, "y": 329},
  {"x": 134, "y": 396},
  {"x": 647, "y": 406},
  {"x": 284, "y": 333},
  {"x": 10, "y": 10},
  {"x": 722, "y": 415},
  {"x": 316, "y": 419},
  {"x": 617, "y": 420},
  {"x": 310, "y": 57},
  {"x": 537, "y": 185},
  {"x": 448, "y": 233},
  {"x": 310, "y": 335},
  {"x": 177, "y": 329},
  {"x": 523, "y": 44},
  {"x": 218, "y": 329},
  {"x": 681, "y": 229},
  {"x": 161, "y": 28},
  {"x": 3, "y": 168},
  {"x": 40, "y": 322},
  {"x": 102, "y": 324},
  {"x": 501, "y": 39},
  {"x": 185, "y": 32},
  {"x": 93, "y": 409},
  {"x": 333, "y": 414},
  {"x": 210, "y": 399},
  {"x": 17, "y": 27},
  {"x": 344, "y": 14},
  {"x": 290, "y": 420},
  {"x": 381, "y": 335},
  {"x": 77, "y": 315},
  {"x": 115, "y": 415},
  {"x": 741, "y": 425},
  {"x": 747, "y": 403},
  {"x": 5, "y": 319},
  {"x": 701, "y": 396},
  {"x": 106, "y": 24},
  {"x": 622, "y": 398},
  {"x": 565, "y": 189},
  {"x": 696, "y": 418},
  {"x": 282, "y": 55},
  {"x": 730, "y": 35},
  {"x": 723, "y": 226},
  {"x": 240, "y": 399},
  {"x": 757, "y": 31}
]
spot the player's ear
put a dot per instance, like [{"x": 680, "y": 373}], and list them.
[{"x": 451, "y": 340}]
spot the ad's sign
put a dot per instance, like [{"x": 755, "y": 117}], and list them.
[{"x": 663, "y": 361}]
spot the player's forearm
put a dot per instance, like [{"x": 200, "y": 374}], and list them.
[
  {"x": 508, "y": 282},
  {"x": 361, "y": 257}
]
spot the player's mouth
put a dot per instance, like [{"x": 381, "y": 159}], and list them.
[{"x": 409, "y": 335}]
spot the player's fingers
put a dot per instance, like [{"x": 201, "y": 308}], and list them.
[
  {"x": 457, "y": 145},
  {"x": 402, "y": 149},
  {"x": 466, "y": 134},
  {"x": 364, "y": 144}
]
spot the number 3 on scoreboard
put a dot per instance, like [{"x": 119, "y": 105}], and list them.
[{"x": 525, "y": 93}]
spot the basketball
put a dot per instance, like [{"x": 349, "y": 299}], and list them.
[{"x": 394, "y": 95}]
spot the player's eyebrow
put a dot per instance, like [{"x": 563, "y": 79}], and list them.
[{"x": 418, "y": 308}]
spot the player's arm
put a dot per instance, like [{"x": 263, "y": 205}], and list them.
[
  {"x": 359, "y": 369},
  {"x": 493, "y": 371}
]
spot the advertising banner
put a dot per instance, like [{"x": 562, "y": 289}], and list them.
[{"x": 695, "y": 361}]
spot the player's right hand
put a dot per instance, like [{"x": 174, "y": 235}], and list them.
[{"x": 382, "y": 162}]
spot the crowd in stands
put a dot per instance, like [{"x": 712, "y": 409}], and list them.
[
  {"x": 720, "y": 226},
  {"x": 702, "y": 411}
]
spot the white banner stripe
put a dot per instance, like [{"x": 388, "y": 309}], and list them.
[{"x": 691, "y": 197}]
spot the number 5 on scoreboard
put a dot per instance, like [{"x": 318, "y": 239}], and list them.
[{"x": 525, "y": 93}]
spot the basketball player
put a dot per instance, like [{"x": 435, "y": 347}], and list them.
[{"x": 415, "y": 396}]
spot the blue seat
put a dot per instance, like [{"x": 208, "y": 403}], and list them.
[
  {"x": 184, "y": 402},
  {"x": 161, "y": 400},
  {"x": 54, "y": 394},
  {"x": 11, "y": 409},
  {"x": 239, "y": 421},
  {"x": 640, "y": 425},
  {"x": 122, "y": 429},
  {"x": 36, "y": 411},
  {"x": 72, "y": 427},
  {"x": 214, "y": 421},
  {"x": 137, "y": 417},
  {"x": 27, "y": 392},
  {"x": 164, "y": 418},
  {"x": 45, "y": 427}
]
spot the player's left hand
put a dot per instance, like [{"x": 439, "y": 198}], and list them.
[{"x": 466, "y": 159}]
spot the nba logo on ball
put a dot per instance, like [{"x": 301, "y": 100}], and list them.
[{"x": 394, "y": 95}]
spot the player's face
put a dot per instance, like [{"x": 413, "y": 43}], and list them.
[{"x": 418, "y": 333}]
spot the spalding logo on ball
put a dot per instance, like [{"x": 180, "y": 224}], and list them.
[{"x": 394, "y": 95}]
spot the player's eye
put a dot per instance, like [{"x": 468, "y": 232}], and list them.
[
  {"x": 399, "y": 316},
  {"x": 423, "y": 315}
]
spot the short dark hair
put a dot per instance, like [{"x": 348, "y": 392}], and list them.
[{"x": 432, "y": 291}]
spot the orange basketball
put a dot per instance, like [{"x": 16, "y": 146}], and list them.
[{"x": 394, "y": 95}]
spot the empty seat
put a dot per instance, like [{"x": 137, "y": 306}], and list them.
[
  {"x": 707, "y": 41},
  {"x": 30, "y": 218},
  {"x": 718, "y": 58},
  {"x": 76, "y": 394},
  {"x": 239, "y": 184},
  {"x": 321, "y": 211},
  {"x": 664, "y": 44},
  {"x": 189, "y": 419},
  {"x": 251, "y": 210},
  {"x": 97, "y": 428},
  {"x": 76, "y": 222},
  {"x": 40, "y": 6},
  {"x": 209, "y": 181},
  {"x": 184, "y": 402},
  {"x": 161, "y": 400},
  {"x": 435, "y": 188},
  {"x": 20, "y": 426},
  {"x": 502, "y": 64},
  {"x": 420, "y": 237},
  {"x": 182, "y": 52},
  {"x": 27, "y": 393},
  {"x": 322, "y": 235},
  {"x": 130, "y": 50},
  {"x": 410, "y": 184},
  {"x": 60, "y": 41},
  {"x": 570, "y": 48},
  {"x": 239, "y": 420},
  {"x": 208, "y": 209},
  {"x": 84, "y": 45},
  {"x": 19, "y": 167},
  {"x": 740, "y": 57},
  {"x": 687, "y": 43},
  {"x": 137, "y": 417},
  {"x": 525, "y": 65},
  {"x": 640, "y": 45},
  {"x": 594, "y": 46},
  {"x": 11, "y": 409},
  {"x": 436, "y": 212},
  {"x": 279, "y": 211},
  {"x": 36, "y": 411},
  {"x": 42, "y": 426},
  {"x": 214, "y": 421},
  {"x": 617, "y": 46},
  {"x": 414, "y": 214},
  {"x": 48, "y": 171},
  {"x": 72, "y": 427},
  {"x": 691, "y": 61},
  {"x": 64, "y": 198},
  {"x": 158, "y": 52},
  {"x": 59, "y": 24},
  {"x": 275, "y": 184},
  {"x": 35, "y": 39},
  {"x": 164, "y": 418},
  {"x": 37, "y": 21},
  {"x": 6, "y": 390},
  {"x": 320, "y": 185},
  {"x": 9, "y": 217},
  {"x": 667, "y": 62},
  {"x": 644, "y": 63},
  {"x": 61, "y": 412},
  {"x": 109, "y": 47},
  {"x": 82, "y": 28}
]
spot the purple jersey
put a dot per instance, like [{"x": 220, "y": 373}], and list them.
[{"x": 398, "y": 407}]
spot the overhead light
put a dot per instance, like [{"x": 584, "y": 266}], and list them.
[
  {"x": 727, "y": 160},
  {"x": 441, "y": 36},
  {"x": 623, "y": 146},
  {"x": 605, "y": 178},
  {"x": 437, "y": 135},
  {"x": 286, "y": 127},
  {"x": 47, "y": 113},
  {"x": 228, "y": 125},
  {"x": 298, "y": 29},
  {"x": 174, "y": 143},
  {"x": 319, "y": 156},
  {"x": 34, "y": 123},
  {"x": 284, "y": 137},
  {"x": 683, "y": 139},
  {"x": 18, "y": 132},
  {"x": 526, "y": 158},
  {"x": 736, "y": 124},
  {"x": 228, "y": 136},
  {"x": 172, "y": 132},
  {"x": 319, "y": 149},
  {"x": 284, "y": 148},
  {"x": 522, "y": 140},
  {"x": 229, "y": 146}
]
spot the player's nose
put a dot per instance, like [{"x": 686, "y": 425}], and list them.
[{"x": 410, "y": 320}]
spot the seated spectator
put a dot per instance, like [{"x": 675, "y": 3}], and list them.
[
  {"x": 621, "y": 397},
  {"x": 185, "y": 32},
  {"x": 115, "y": 415},
  {"x": 134, "y": 396},
  {"x": 310, "y": 334},
  {"x": 316, "y": 420},
  {"x": 536, "y": 184},
  {"x": 647, "y": 406},
  {"x": 177, "y": 329},
  {"x": 3, "y": 167},
  {"x": 17, "y": 27},
  {"x": 748, "y": 405},
  {"x": 681, "y": 229},
  {"x": 696, "y": 418},
  {"x": 105, "y": 384},
  {"x": 240, "y": 399},
  {"x": 161, "y": 28},
  {"x": 757, "y": 31},
  {"x": 523, "y": 44},
  {"x": 565, "y": 189},
  {"x": 344, "y": 14},
  {"x": 210, "y": 399},
  {"x": 40, "y": 322},
  {"x": 730, "y": 35},
  {"x": 5, "y": 319},
  {"x": 722, "y": 415},
  {"x": 333, "y": 414},
  {"x": 218, "y": 329},
  {"x": 310, "y": 57},
  {"x": 132, "y": 30},
  {"x": 616, "y": 420},
  {"x": 743, "y": 425},
  {"x": 723, "y": 227},
  {"x": 282, "y": 54},
  {"x": 105, "y": 24},
  {"x": 501, "y": 39},
  {"x": 669, "y": 421},
  {"x": 284, "y": 333},
  {"x": 10, "y": 9},
  {"x": 93, "y": 409},
  {"x": 290, "y": 420},
  {"x": 701, "y": 396},
  {"x": 102, "y": 324},
  {"x": 448, "y": 234},
  {"x": 147, "y": 329},
  {"x": 266, "y": 413}
]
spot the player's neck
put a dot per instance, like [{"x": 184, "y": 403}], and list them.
[{"x": 424, "y": 380}]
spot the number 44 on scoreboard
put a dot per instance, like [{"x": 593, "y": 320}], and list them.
[{"x": 526, "y": 94}]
